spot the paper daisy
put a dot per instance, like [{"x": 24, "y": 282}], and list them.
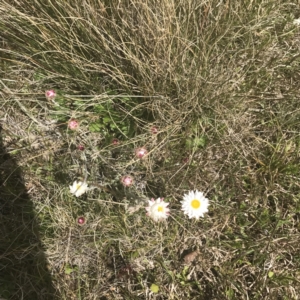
[
  {"x": 158, "y": 210},
  {"x": 78, "y": 188},
  {"x": 194, "y": 204}
]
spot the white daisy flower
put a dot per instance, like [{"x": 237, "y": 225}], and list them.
[
  {"x": 194, "y": 204},
  {"x": 158, "y": 210},
  {"x": 78, "y": 188}
]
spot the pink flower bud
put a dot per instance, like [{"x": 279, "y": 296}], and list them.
[
  {"x": 186, "y": 160},
  {"x": 141, "y": 152},
  {"x": 80, "y": 147},
  {"x": 127, "y": 180},
  {"x": 50, "y": 95},
  {"x": 73, "y": 124},
  {"x": 81, "y": 221},
  {"x": 115, "y": 142},
  {"x": 154, "y": 130}
]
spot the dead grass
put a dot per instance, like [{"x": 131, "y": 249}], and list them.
[{"x": 220, "y": 81}]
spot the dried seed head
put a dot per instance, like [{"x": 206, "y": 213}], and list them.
[
  {"x": 189, "y": 258},
  {"x": 186, "y": 160}
]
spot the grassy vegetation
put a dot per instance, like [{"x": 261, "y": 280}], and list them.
[{"x": 220, "y": 82}]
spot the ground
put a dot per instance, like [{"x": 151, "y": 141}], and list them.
[{"x": 209, "y": 88}]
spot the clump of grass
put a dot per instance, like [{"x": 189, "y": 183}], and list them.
[{"x": 219, "y": 81}]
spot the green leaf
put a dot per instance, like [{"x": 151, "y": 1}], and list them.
[
  {"x": 14, "y": 152},
  {"x": 38, "y": 76},
  {"x": 95, "y": 127},
  {"x": 106, "y": 120},
  {"x": 62, "y": 101},
  {"x": 199, "y": 141},
  {"x": 68, "y": 270},
  {"x": 185, "y": 270},
  {"x": 196, "y": 142},
  {"x": 78, "y": 103},
  {"x": 99, "y": 108},
  {"x": 230, "y": 293},
  {"x": 270, "y": 274},
  {"x": 154, "y": 288}
]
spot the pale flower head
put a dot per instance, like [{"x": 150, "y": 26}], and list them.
[
  {"x": 78, "y": 188},
  {"x": 158, "y": 210},
  {"x": 73, "y": 124},
  {"x": 50, "y": 95},
  {"x": 141, "y": 152},
  {"x": 194, "y": 204}
]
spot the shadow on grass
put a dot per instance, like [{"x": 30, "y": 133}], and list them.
[{"x": 23, "y": 269}]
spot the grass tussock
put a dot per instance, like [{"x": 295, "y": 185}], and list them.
[{"x": 218, "y": 80}]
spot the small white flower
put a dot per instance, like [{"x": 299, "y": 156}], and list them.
[
  {"x": 78, "y": 188},
  {"x": 296, "y": 22},
  {"x": 158, "y": 210},
  {"x": 194, "y": 204}
]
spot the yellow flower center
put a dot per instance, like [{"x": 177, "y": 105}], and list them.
[
  {"x": 195, "y": 203},
  {"x": 78, "y": 186},
  {"x": 160, "y": 209}
]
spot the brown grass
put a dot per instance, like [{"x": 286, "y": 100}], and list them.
[{"x": 220, "y": 82}]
